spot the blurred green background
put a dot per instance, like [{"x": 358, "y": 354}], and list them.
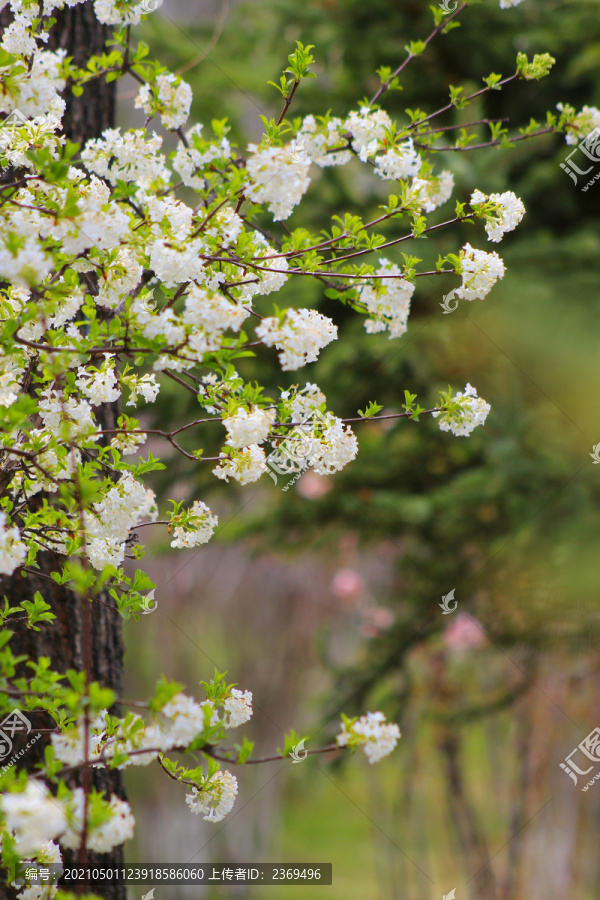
[{"x": 325, "y": 597}]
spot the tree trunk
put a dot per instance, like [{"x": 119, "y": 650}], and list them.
[{"x": 81, "y": 35}]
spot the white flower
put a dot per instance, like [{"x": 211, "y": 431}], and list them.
[
  {"x": 216, "y": 798},
  {"x": 504, "y": 217},
  {"x": 120, "y": 12},
  {"x": 154, "y": 324},
  {"x": 209, "y": 315},
  {"x": 174, "y": 98},
  {"x": 480, "y": 271},
  {"x": 34, "y": 133},
  {"x": 127, "y": 443},
  {"x": 190, "y": 161},
  {"x": 387, "y": 301},
  {"x": 100, "y": 386},
  {"x": 225, "y": 227},
  {"x": 116, "y": 830},
  {"x": 34, "y": 815},
  {"x": 17, "y": 39},
  {"x": 305, "y": 402},
  {"x": 318, "y": 143},
  {"x": 300, "y": 335},
  {"x": 398, "y": 162},
  {"x": 9, "y": 387},
  {"x": 239, "y": 707},
  {"x": 473, "y": 412},
  {"x": 334, "y": 449},
  {"x": 506, "y": 4},
  {"x": 182, "y": 719},
  {"x": 246, "y": 466},
  {"x": 193, "y": 535},
  {"x": 13, "y": 551},
  {"x": 367, "y": 128},
  {"x": 277, "y": 177},
  {"x": 583, "y": 123},
  {"x": 69, "y": 746},
  {"x": 147, "y": 386},
  {"x": 377, "y": 737},
  {"x": 58, "y": 411},
  {"x": 126, "y": 157},
  {"x": 245, "y": 428},
  {"x": 174, "y": 265},
  {"x": 118, "y": 279},
  {"x": 23, "y": 263},
  {"x": 123, "y": 507},
  {"x": 439, "y": 190},
  {"x": 34, "y": 90},
  {"x": 48, "y": 855}
]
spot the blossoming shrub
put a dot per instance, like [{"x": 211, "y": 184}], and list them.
[{"x": 122, "y": 266}]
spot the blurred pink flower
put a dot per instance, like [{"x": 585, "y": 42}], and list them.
[
  {"x": 464, "y": 632},
  {"x": 376, "y": 620},
  {"x": 348, "y": 584},
  {"x": 312, "y": 486}
]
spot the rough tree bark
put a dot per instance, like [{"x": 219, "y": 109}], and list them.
[{"x": 78, "y": 32}]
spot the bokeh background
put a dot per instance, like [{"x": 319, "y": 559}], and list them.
[{"x": 325, "y": 597}]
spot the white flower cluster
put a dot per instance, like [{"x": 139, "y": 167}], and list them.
[
  {"x": 245, "y": 428},
  {"x": 35, "y": 90},
  {"x": 117, "y": 829},
  {"x": 426, "y": 194},
  {"x": 215, "y": 798},
  {"x": 438, "y": 189},
  {"x": 300, "y": 334},
  {"x": 60, "y": 412},
  {"x": 172, "y": 98},
  {"x": 473, "y": 412},
  {"x": 199, "y": 533},
  {"x": 336, "y": 447},
  {"x": 146, "y": 385},
  {"x": 480, "y": 271},
  {"x": 582, "y": 124},
  {"x": 34, "y": 133},
  {"x": 504, "y": 216},
  {"x": 36, "y": 817},
  {"x": 399, "y": 162},
  {"x": 506, "y": 4},
  {"x": 226, "y": 227},
  {"x": 371, "y": 732},
  {"x": 100, "y": 385},
  {"x": 191, "y": 160},
  {"x": 239, "y": 708},
  {"x": 245, "y": 466},
  {"x": 118, "y": 278},
  {"x": 48, "y": 855},
  {"x": 321, "y": 441},
  {"x": 107, "y": 528},
  {"x": 177, "y": 724},
  {"x": 120, "y": 12},
  {"x": 369, "y": 132},
  {"x": 387, "y": 302},
  {"x": 323, "y": 146},
  {"x": 208, "y": 316},
  {"x": 126, "y": 157},
  {"x": 13, "y": 551},
  {"x": 181, "y": 720},
  {"x": 279, "y": 177},
  {"x": 367, "y": 128},
  {"x": 270, "y": 276},
  {"x": 17, "y": 39},
  {"x": 69, "y": 745}
]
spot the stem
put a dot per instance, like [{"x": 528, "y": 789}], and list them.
[{"x": 439, "y": 28}]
